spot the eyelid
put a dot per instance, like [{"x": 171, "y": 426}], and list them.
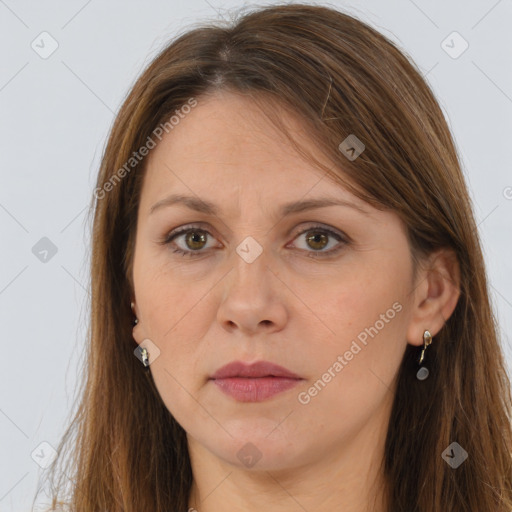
[
  {"x": 320, "y": 225},
  {"x": 186, "y": 227}
]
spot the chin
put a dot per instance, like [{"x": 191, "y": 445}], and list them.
[{"x": 257, "y": 451}]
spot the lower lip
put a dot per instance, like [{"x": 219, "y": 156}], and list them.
[{"x": 246, "y": 389}]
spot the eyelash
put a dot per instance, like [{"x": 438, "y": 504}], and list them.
[{"x": 315, "y": 254}]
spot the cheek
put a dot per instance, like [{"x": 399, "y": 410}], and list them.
[
  {"x": 365, "y": 323},
  {"x": 177, "y": 324},
  {"x": 353, "y": 370},
  {"x": 176, "y": 390},
  {"x": 169, "y": 315}
]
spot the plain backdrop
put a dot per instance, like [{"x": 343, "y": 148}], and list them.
[{"x": 56, "y": 110}]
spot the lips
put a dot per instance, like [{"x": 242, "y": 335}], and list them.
[
  {"x": 254, "y": 382},
  {"x": 255, "y": 370}
]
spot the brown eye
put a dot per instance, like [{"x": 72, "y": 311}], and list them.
[
  {"x": 195, "y": 239},
  {"x": 318, "y": 240}
]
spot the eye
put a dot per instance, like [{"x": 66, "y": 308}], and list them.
[
  {"x": 195, "y": 239},
  {"x": 317, "y": 237}
]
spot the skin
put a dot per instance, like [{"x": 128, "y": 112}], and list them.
[{"x": 286, "y": 307}]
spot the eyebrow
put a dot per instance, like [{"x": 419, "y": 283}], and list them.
[{"x": 203, "y": 206}]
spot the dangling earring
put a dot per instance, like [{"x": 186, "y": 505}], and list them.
[
  {"x": 423, "y": 372},
  {"x": 145, "y": 357},
  {"x": 144, "y": 354}
]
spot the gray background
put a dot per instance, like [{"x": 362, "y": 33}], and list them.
[{"x": 55, "y": 116}]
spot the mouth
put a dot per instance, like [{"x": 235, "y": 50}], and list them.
[{"x": 255, "y": 382}]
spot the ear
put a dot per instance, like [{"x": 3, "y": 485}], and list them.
[{"x": 436, "y": 292}]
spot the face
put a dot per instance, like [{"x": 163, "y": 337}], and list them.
[{"x": 322, "y": 292}]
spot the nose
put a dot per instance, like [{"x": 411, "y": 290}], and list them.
[{"x": 253, "y": 299}]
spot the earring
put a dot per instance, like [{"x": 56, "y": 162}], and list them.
[
  {"x": 145, "y": 357},
  {"x": 144, "y": 354},
  {"x": 136, "y": 321},
  {"x": 423, "y": 372}
]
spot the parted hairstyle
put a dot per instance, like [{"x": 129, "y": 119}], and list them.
[{"x": 123, "y": 451}]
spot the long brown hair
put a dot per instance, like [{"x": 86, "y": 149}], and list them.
[{"x": 126, "y": 451}]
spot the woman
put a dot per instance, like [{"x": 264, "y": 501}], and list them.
[{"x": 283, "y": 238}]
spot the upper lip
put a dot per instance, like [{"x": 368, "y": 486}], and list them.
[{"x": 258, "y": 369}]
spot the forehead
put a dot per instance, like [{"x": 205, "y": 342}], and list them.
[{"x": 226, "y": 145}]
